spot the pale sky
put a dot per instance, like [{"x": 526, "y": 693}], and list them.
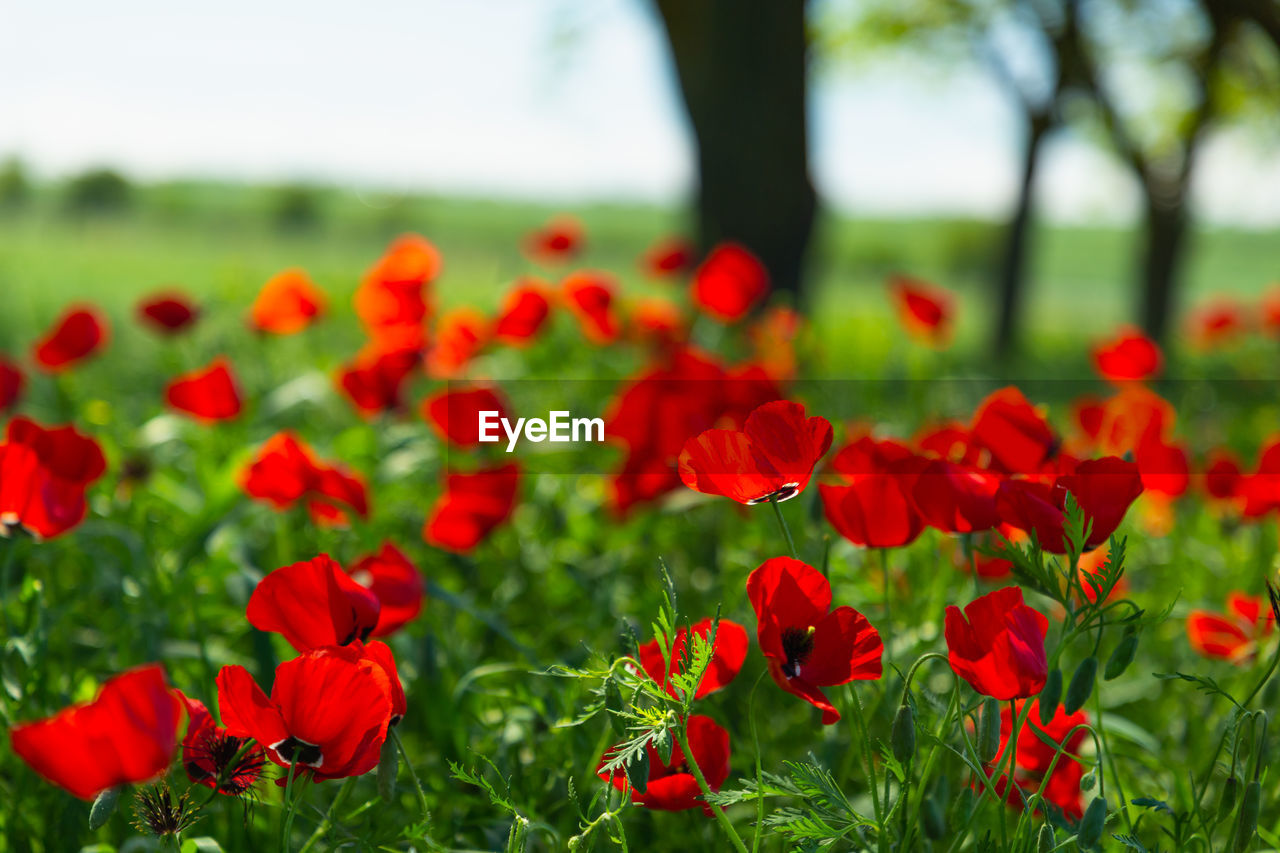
[{"x": 553, "y": 100}]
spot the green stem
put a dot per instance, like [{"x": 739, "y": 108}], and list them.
[
  {"x": 782, "y": 522},
  {"x": 10, "y": 547},
  {"x": 755, "y": 744},
  {"x": 683, "y": 737},
  {"x": 417, "y": 787},
  {"x": 327, "y": 823},
  {"x": 864, "y": 739},
  {"x": 884, "y": 569},
  {"x": 1109, "y": 759},
  {"x": 291, "y": 808}
]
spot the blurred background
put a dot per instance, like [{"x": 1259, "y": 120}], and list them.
[{"x": 1063, "y": 165}]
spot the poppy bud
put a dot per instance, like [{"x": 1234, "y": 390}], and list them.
[
  {"x": 1230, "y": 791},
  {"x": 1081, "y": 686},
  {"x": 388, "y": 765},
  {"x": 662, "y": 743},
  {"x": 1047, "y": 842},
  {"x": 935, "y": 825},
  {"x": 989, "y": 731},
  {"x": 1090, "y": 831},
  {"x": 1088, "y": 781},
  {"x": 1247, "y": 823},
  {"x": 637, "y": 769},
  {"x": 1121, "y": 657},
  {"x": 1050, "y": 696},
  {"x": 613, "y": 705},
  {"x": 104, "y": 805},
  {"x": 904, "y": 734}
]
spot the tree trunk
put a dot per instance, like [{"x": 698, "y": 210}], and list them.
[
  {"x": 1162, "y": 251},
  {"x": 742, "y": 67},
  {"x": 1013, "y": 263}
]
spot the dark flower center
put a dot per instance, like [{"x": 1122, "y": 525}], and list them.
[
  {"x": 295, "y": 751},
  {"x": 788, "y": 491},
  {"x": 215, "y": 759},
  {"x": 797, "y": 645}
]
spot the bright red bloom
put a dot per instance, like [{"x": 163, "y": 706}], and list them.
[
  {"x": 168, "y": 313},
  {"x": 556, "y": 242},
  {"x": 1216, "y": 324},
  {"x": 397, "y": 584},
  {"x": 454, "y": 413},
  {"x": 949, "y": 441},
  {"x": 956, "y": 498},
  {"x": 591, "y": 296},
  {"x": 79, "y": 333},
  {"x": 1130, "y": 355},
  {"x": 877, "y": 508},
  {"x": 1234, "y": 635},
  {"x": 285, "y": 471},
  {"x": 671, "y": 785},
  {"x": 473, "y": 504},
  {"x": 391, "y": 292},
  {"x": 11, "y": 381},
  {"x": 671, "y": 256},
  {"x": 208, "y": 752},
  {"x": 1104, "y": 488},
  {"x": 807, "y": 644},
  {"x": 128, "y": 733},
  {"x": 460, "y": 335},
  {"x": 925, "y": 310},
  {"x": 210, "y": 394},
  {"x": 374, "y": 381},
  {"x": 773, "y": 339},
  {"x": 1133, "y": 415},
  {"x": 984, "y": 565},
  {"x": 659, "y": 321},
  {"x": 43, "y": 477},
  {"x": 997, "y": 645},
  {"x": 328, "y": 711},
  {"x": 312, "y": 604},
  {"x": 1164, "y": 467},
  {"x": 525, "y": 309},
  {"x": 770, "y": 458},
  {"x": 728, "y": 654},
  {"x": 1012, "y": 432},
  {"x": 729, "y": 283},
  {"x": 1259, "y": 490},
  {"x": 1222, "y": 475},
  {"x": 288, "y": 303},
  {"x": 1033, "y": 758},
  {"x": 1270, "y": 311}
]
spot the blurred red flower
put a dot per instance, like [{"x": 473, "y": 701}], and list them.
[
  {"x": 285, "y": 471},
  {"x": 558, "y": 241},
  {"x": 210, "y": 394},
  {"x": 591, "y": 297},
  {"x": 926, "y": 311},
  {"x": 1232, "y": 636},
  {"x": 1216, "y": 324},
  {"x": 1012, "y": 433},
  {"x": 313, "y": 603},
  {"x": 671, "y": 785},
  {"x": 1129, "y": 355},
  {"x": 667, "y": 258},
  {"x": 75, "y": 336},
  {"x": 728, "y": 654},
  {"x": 374, "y": 380},
  {"x": 128, "y": 733},
  {"x": 391, "y": 294},
  {"x": 956, "y": 498},
  {"x": 525, "y": 309},
  {"x": 460, "y": 335},
  {"x": 11, "y": 381},
  {"x": 770, "y": 458},
  {"x": 1222, "y": 475},
  {"x": 876, "y": 509},
  {"x": 1104, "y": 488},
  {"x": 473, "y": 504},
  {"x": 658, "y": 321},
  {"x": 454, "y": 413},
  {"x": 43, "y": 477},
  {"x": 997, "y": 645},
  {"x": 288, "y": 303},
  {"x": 1270, "y": 310},
  {"x": 808, "y": 645},
  {"x": 773, "y": 339},
  {"x": 729, "y": 283},
  {"x": 210, "y": 754},
  {"x": 1033, "y": 758},
  {"x": 168, "y": 312},
  {"x": 397, "y": 584}
]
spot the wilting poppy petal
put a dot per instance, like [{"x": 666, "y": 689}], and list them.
[
  {"x": 210, "y": 394},
  {"x": 79, "y": 333},
  {"x": 729, "y": 283},
  {"x": 288, "y": 303}
]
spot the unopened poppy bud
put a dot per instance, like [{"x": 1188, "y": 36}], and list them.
[
  {"x": 663, "y": 743},
  {"x": 1050, "y": 696},
  {"x": 989, "y": 730},
  {"x": 104, "y": 805},
  {"x": 1247, "y": 823},
  {"x": 935, "y": 825},
  {"x": 1121, "y": 657},
  {"x": 1230, "y": 791},
  {"x": 388, "y": 766},
  {"x": 614, "y": 705},
  {"x": 1090, "y": 831},
  {"x": 1047, "y": 842},
  {"x": 904, "y": 734},
  {"x": 1081, "y": 686},
  {"x": 637, "y": 770},
  {"x": 1088, "y": 781}
]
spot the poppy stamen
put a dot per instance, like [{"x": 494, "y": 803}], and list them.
[
  {"x": 797, "y": 644},
  {"x": 786, "y": 493},
  {"x": 296, "y": 751}
]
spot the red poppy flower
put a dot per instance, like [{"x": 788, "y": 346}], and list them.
[
  {"x": 1216, "y": 324},
  {"x": 997, "y": 645},
  {"x": 380, "y": 653},
  {"x": 128, "y": 733},
  {"x": 168, "y": 313},
  {"x": 473, "y": 504},
  {"x": 1259, "y": 491},
  {"x": 807, "y": 644},
  {"x": 454, "y": 413},
  {"x": 79, "y": 333},
  {"x": 1104, "y": 488},
  {"x": 1012, "y": 432},
  {"x": 210, "y": 394},
  {"x": 729, "y": 283},
  {"x": 288, "y": 303},
  {"x": 391, "y": 294},
  {"x": 285, "y": 472},
  {"x": 374, "y": 381},
  {"x": 11, "y": 381},
  {"x": 1164, "y": 467},
  {"x": 727, "y": 656},
  {"x": 668, "y": 257},
  {"x": 591, "y": 297},
  {"x": 556, "y": 242},
  {"x": 773, "y": 339},
  {"x": 312, "y": 604},
  {"x": 43, "y": 477},
  {"x": 659, "y": 321},
  {"x": 395, "y": 582},
  {"x": 1130, "y": 355},
  {"x": 985, "y": 565},
  {"x": 925, "y": 310},
  {"x": 1131, "y": 416},
  {"x": 1270, "y": 311},
  {"x": 1033, "y": 758},
  {"x": 1222, "y": 475},
  {"x": 328, "y": 711},
  {"x": 956, "y": 498},
  {"x": 210, "y": 754},
  {"x": 877, "y": 508},
  {"x": 1234, "y": 635},
  {"x": 771, "y": 458},
  {"x": 949, "y": 441},
  {"x": 525, "y": 309},
  {"x": 671, "y": 785},
  {"x": 460, "y": 335}
]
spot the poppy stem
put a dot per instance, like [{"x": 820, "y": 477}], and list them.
[
  {"x": 786, "y": 531},
  {"x": 755, "y": 744},
  {"x": 291, "y": 806},
  {"x": 683, "y": 737},
  {"x": 327, "y": 822},
  {"x": 863, "y": 745},
  {"x": 417, "y": 787},
  {"x": 884, "y": 570}
]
